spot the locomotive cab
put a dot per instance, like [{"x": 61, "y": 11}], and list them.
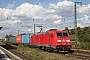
[
  {"x": 60, "y": 40},
  {"x": 63, "y": 41}
]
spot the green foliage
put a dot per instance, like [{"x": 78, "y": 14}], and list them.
[
  {"x": 71, "y": 31},
  {"x": 8, "y": 36},
  {"x": 39, "y": 54},
  {"x": 23, "y": 34},
  {"x": 83, "y": 34},
  {"x": 11, "y": 35},
  {"x": 20, "y": 47},
  {"x": 66, "y": 28},
  {"x": 7, "y": 42},
  {"x": 83, "y": 45}
]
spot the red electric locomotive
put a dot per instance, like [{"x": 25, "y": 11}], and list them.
[{"x": 52, "y": 40}]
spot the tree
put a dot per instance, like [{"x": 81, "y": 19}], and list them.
[
  {"x": 66, "y": 28},
  {"x": 85, "y": 30},
  {"x": 79, "y": 32},
  {"x": 10, "y": 35},
  {"x": 7, "y": 36},
  {"x": 72, "y": 31},
  {"x": 84, "y": 35}
]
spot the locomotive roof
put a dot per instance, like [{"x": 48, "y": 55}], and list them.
[
  {"x": 49, "y": 31},
  {"x": 54, "y": 30}
]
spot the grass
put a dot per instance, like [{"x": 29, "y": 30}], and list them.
[
  {"x": 42, "y": 55},
  {"x": 7, "y": 42}
]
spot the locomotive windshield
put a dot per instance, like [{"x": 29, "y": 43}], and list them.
[
  {"x": 65, "y": 34},
  {"x": 62, "y": 34},
  {"x": 59, "y": 34}
]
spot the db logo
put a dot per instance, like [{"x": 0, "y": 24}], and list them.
[
  {"x": 18, "y": 38},
  {"x": 63, "y": 40}
]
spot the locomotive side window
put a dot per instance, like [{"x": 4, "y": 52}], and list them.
[
  {"x": 59, "y": 34},
  {"x": 65, "y": 34},
  {"x": 52, "y": 35}
]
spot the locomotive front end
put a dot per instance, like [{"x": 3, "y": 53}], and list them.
[{"x": 63, "y": 41}]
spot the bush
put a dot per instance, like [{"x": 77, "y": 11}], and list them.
[
  {"x": 20, "y": 47},
  {"x": 7, "y": 42},
  {"x": 85, "y": 45}
]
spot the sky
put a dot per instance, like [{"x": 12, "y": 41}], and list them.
[{"x": 21, "y": 15}]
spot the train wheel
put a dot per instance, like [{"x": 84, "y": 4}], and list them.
[
  {"x": 50, "y": 49},
  {"x": 31, "y": 46},
  {"x": 55, "y": 50},
  {"x": 42, "y": 47},
  {"x": 46, "y": 48}
]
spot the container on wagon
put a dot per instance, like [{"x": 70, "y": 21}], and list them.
[
  {"x": 19, "y": 39},
  {"x": 13, "y": 39},
  {"x": 26, "y": 38},
  {"x": 6, "y": 39},
  {"x": 10, "y": 39}
]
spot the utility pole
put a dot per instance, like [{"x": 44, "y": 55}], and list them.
[
  {"x": 18, "y": 32},
  {"x": 37, "y": 26},
  {"x": 75, "y": 20},
  {"x": 34, "y": 28}
]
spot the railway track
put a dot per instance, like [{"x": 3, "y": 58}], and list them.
[
  {"x": 82, "y": 51},
  {"x": 24, "y": 56},
  {"x": 13, "y": 50},
  {"x": 80, "y": 56}
]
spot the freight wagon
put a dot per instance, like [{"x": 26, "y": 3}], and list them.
[
  {"x": 12, "y": 39},
  {"x": 20, "y": 39},
  {"x": 26, "y": 39},
  {"x": 53, "y": 40}
]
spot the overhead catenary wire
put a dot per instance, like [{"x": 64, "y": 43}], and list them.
[
  {"x": 30, "y": 8},
  {"x": 77, "y": 13},
  {"x": 56, "y": 19},
  {"x": 37, "y": 4}
]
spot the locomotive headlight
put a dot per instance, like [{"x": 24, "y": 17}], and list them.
[
  {"x": 59, "y": 40},
  {"x": 67, "y": 40}
]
